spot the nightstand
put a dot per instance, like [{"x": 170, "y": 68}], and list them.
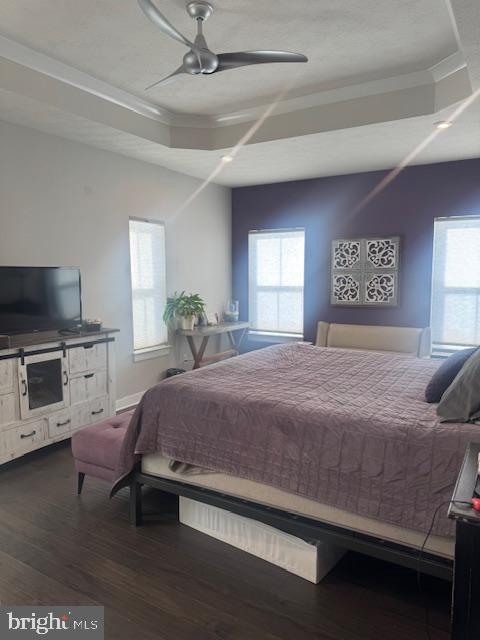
[{"x": 466, "y": 580}]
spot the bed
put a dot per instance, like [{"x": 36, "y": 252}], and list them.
[{"x": 327, "y": 442}]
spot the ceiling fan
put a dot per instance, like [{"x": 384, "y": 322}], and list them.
[{"x": 199, "y": 59}]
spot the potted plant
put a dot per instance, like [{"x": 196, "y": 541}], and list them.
[
  {"x": 188, "y": 309},
  {"x": 183, "y": 306}
]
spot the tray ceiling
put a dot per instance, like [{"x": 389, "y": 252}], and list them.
[
  {"x": 381, "y": 73},
  {"x": 346, "y": 42}
]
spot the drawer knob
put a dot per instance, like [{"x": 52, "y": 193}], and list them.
[
  {"x": 96, "y": 413},
  {"x": 27, "y": 435},
  {"x": 63, "y": 424}
]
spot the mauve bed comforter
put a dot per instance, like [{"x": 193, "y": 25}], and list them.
[{"x": 347, "y": 428}]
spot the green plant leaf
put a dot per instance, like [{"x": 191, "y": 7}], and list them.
[{"x": 183, "y": 305}]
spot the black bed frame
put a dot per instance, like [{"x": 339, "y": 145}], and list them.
[{"x": 306, "y": 528}]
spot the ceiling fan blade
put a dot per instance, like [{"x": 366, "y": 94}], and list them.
[
  {"x": 243, "y": 58},
  {"x": 151, "y": 11},
  {"x": 177, "y": 72}
]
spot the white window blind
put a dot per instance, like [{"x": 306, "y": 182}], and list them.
[
  {"x": 147, "y": 263},
  {"x": 456, "y": 282},
  {"x": 276, "y": 274}
]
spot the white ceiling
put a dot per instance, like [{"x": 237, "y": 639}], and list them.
[{"x": 381, "y": 72}]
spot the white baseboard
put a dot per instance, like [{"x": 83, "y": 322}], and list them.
[{"x": 129, "y": 401}]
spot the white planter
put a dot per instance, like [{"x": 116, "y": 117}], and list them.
[{"x": 187, "y": 322}]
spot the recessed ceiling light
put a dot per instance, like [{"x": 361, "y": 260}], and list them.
[
  {"x": 227, "y": 159},
  {"x": 443, "y": 124}
]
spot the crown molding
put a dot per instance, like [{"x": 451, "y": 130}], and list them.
[
  {"x": 443, "y": 69},
  {"x": 27, "y": 57},
  {"x": 448, "y": 66},
  {"x": 20, "y": 54},
  {"x": 331, "y": 96}
]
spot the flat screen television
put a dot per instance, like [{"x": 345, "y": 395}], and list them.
[{"x": 39, "y": 299}]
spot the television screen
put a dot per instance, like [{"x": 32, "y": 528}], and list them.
[{"x": 39, "y": 299}]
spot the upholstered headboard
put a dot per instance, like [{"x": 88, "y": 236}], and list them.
[{"x": 407, "y": 340}]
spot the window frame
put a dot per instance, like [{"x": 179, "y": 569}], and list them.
[
  {"x": 264, "y": 335},
  {"x": 446, "y": 348},
  {"x": 162, "y": 348}
]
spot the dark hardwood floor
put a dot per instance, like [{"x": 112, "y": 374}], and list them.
[{"x": 165, "y": 581}]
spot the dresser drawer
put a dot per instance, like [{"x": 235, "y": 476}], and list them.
[
  {"x": 89, "y": 412},
  {"x": 98, "y": 410},
  {"x": 6, "y": 376},
  {"x": 87, "y": 358},
  {"x": 25, "y": 438},
  {"x": 8, "y": 412},
  {"x": 88, "y": 387},
  {"x": 59, "y": 423}
]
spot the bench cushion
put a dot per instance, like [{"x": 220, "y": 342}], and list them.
[{"x": 97, "y": 447}]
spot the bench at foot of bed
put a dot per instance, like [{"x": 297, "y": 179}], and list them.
[{"x": 96, "y": 448}]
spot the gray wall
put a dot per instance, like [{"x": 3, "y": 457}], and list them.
[{"x": 64, "y": 203}]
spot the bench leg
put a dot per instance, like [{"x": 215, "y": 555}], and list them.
[
  {"x": 81, "y": 478},
  {"x": 135, "y": 504}
]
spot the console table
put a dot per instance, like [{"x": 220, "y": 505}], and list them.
[{"x": 204, "y": 333}]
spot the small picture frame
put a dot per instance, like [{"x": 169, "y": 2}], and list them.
[{"x": 211, "y": 318}]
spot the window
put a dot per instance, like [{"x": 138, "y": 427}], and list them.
[
  {"x": 456, "y": 283},
  {"x": 147, "y": 264},
  {"x": 276, "y": 270}
]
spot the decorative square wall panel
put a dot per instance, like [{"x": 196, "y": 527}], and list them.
[
  {"x": 346, "y": 287},
  {"x": 381, "y": 253},
  {"x": 365, "y": 271},
  {"x": 346, "y": 254}
]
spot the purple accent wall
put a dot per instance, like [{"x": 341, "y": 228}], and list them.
[{"x": 323, "y": 206}]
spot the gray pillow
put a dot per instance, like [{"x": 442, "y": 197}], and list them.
[
  {"x": 446, "y": 374},
  {"x": 461, "y": 401}
]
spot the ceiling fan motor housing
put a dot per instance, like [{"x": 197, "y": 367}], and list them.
[
  {"x": 199, "y": 10},
  {"x": 206, "y": 62}
]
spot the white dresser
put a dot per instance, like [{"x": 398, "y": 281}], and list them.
[{"x": 50, "y": 386}]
